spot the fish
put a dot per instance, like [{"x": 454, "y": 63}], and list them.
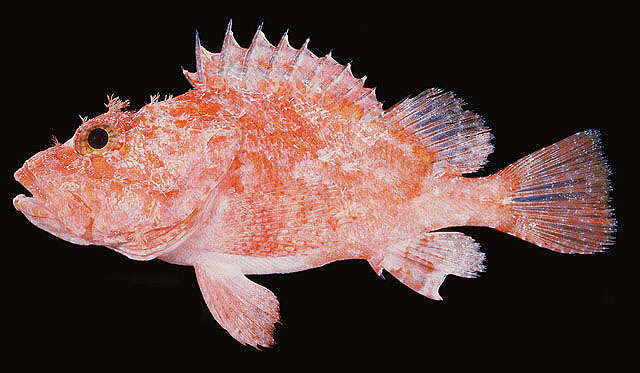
[{"x": 277, "y": 161}]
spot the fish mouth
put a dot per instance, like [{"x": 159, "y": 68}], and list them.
[
  {"x": 33, "y": 207},
  {"x": 25, "y": 177}
]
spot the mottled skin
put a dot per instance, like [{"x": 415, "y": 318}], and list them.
[
  {"x": 265, "y": 183},
  {"x": 279, "y": 161},
  {"x": 308, "y": 186},
  {"x": 132, "y": 198}
]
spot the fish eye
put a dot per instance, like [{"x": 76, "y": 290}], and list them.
[
  {"x": 95, "y": 140},
  {"x": 98, "y": 138}
]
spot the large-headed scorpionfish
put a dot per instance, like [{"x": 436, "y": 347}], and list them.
[{"x": 279, "y": 161}]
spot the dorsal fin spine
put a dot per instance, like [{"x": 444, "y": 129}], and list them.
[
  {"x": 318, "y": 63},
  {"x": 327, "y": 88},
  {"x": 283, "y": 41},
  {"x": 247, "y": 53},
  {"x": 186, "y": 75},
  {"x": 296, "y": 58},
  {"x": 372, "y": 91},
  {"x": 199, "y": 71},
  {"x": 346, "y": 68},
  {"x": 349, "y": 95},
  {"x": 226, "y": 46},
  {"x": 315, "y": 79}
]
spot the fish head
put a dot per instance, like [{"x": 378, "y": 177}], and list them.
[{"x": 136, "y": 182}]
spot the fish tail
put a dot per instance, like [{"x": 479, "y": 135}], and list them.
[{"x": 559, "y": 196}]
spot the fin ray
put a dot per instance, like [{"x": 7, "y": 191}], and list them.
[
  {"x": 243, "y": 308},
  {"x": 457, "y": 138},
  {"x": 560, "y": 197},
  {"x": 258, "y": 55},
  {"x": 423, "y": 265}
]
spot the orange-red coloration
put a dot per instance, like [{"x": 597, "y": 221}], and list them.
[{"x": 279, "y": 161}]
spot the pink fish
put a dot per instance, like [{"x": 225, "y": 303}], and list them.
[{"x": 280, "y": 161}]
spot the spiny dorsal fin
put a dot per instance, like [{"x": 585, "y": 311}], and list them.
[
  {"x": 323, "y": 77},
  {"x": 457, "y": 138}
]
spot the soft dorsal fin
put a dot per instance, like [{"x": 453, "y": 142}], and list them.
[
  {"x": 323, "y": 77},
  {"x": 457, "y": 138}
]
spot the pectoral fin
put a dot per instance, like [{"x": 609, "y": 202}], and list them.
[{"x": 243, "y": 308}]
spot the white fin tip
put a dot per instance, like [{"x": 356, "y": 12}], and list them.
[
  {"x": 199, "y": 71},
  {"x": 229, "y": 25}
]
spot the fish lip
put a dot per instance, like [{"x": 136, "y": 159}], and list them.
[
  {"x": 34, "y": 207},
  {"x": 25, "y": 177},
  {"x": 27, "y": 205},
  {"x": 21, "y": 202}
]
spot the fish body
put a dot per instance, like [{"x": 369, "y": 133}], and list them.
[{"x": 279, "y": 161}]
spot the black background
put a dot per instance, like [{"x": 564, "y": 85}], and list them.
[{"x": 537, "y": 74}]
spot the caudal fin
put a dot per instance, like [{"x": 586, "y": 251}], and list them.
[{"x": 560, "y": 198}]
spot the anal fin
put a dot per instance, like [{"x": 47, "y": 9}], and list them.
[
  {"x": 243, "y": 308},
  {"x": 423, "y": 265}
]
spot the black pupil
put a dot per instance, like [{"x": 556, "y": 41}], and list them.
[{"x": 98, "y": 138}]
